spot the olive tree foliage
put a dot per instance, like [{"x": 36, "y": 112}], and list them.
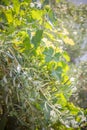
[{"x": 34, "y": 82}]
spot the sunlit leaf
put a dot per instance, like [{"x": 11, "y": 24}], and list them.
[
  {"x": 72, "y": 108},
  {"x": 37, "y": 14},
  {"x": 62, "y": 100},
  {"x": 68, "y": 40},
  {"x": 48, "y": 25},
  {"x": 9, "y": 16},
  {"x": 16, "y": 6},
  {"x": 66, "y": 56},
  {"x": 64, "y": 66}
]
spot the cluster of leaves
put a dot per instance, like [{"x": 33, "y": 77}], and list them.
[
  {"x": 74, "y": 19},
  {"x": 34, "y": 84},
  {"x": 81, "y": 86}
]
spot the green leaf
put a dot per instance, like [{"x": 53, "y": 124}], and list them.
[
  {"x": 51, "y": 16},
  {"x": 27, "y": 43},
  {"x": 68, "y": 40},
  {"x": 9, "y": 16},
  {"x": 56, "y": 57},
  {"x": 62, "y": 100},
  {"x": 16, "y": 6},
  {"x": 57, "y": 73},
  {"x": 47, "y": 110},
  {"x": 37, "y": 14},
  {"x": 48, "y": 54},
  {"x": 66, "y": 56},
  {"x": 73, "y": 109},
  {"x": 36, "y": 39},
  {"x": 64, "y": 66}
]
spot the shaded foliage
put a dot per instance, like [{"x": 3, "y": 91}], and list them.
[{"x": 34, "y": 82}]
